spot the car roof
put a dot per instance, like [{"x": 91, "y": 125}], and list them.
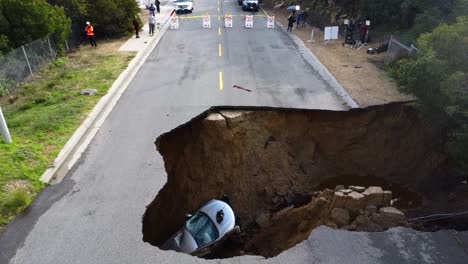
[{"x": 211, "y": 209}]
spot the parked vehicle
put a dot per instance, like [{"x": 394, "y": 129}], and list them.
[
  {"x": 183, "y": 6},
  {"x": 205, "y": 230},
  {"x": 250, "y": 5}
]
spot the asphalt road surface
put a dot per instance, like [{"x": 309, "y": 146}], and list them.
[{"x": 94, "y": 214}]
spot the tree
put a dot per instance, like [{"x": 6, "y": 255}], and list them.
[
  {"x": 113, "y": 18},
  {"x": 438, "y": 76},
  {"x": 24, "y": 21}
]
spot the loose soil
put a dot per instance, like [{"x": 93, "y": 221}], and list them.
[
  {"x": 361, "y": 75},
  {"x": 273, "y": 161}
]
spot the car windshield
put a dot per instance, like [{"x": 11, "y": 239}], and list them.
[
  {"x": 202, "y": 229},
  {"x": 182, "y": 1}
]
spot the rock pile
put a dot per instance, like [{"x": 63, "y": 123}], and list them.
[{"x": 363, "y": 209}]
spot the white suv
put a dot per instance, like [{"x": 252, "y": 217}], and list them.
[{"x": 183, "y": 6}]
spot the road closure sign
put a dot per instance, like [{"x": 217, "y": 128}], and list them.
[
  {"x": 206, "y": 21},
  {"x": 249, "y": 21},
  {"x": 228, "y": 21},
  {"x": 175, "y": 22},
  {"x": 271, "y": 22}
]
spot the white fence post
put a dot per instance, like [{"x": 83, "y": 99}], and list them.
[
  {"x": 388, "y": 49},
  {"x": 50, "y": 48},
  {"x": 4, "y": 128},
  {"x": 26, "y": 56}
]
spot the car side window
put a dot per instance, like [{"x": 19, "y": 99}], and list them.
[{"x": 202, "y": 229}]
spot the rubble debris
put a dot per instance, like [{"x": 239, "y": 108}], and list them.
[{"x": 340, "y": 216}]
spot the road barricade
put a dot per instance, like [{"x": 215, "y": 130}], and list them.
[
  {"x": 271, "y": 22},
  {"x": 206, "y": 21},
  {"x": 228, "y": 21},
  {"x": 174, "y": 22},
  {"x": 249, "y": 21}
]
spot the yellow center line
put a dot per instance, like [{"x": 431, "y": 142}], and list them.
[
  {"x": 219, "y": 31},
  {"x": 220, "y": 81},
  {"x": 219, "y": 18},
  {"x": 219, "y": 50}
]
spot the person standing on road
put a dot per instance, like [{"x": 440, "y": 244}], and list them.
[
  {"x": 291, "y": 21},
  {"x": 136, "y": 26},
  {"x": 305, "y": 14},
  {"x": 152, "y": 9},
  {"x": 299, "y": 19},
  {"x": 157, "y": 6},
  {"x": 90, "y": 34},
  {"x": 151, "y": 22}
]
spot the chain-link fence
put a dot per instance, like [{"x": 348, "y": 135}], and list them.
[
  {"x": 397, "y": 50},
  {"x": 21, "y": 64}
]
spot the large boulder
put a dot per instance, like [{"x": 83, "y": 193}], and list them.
[
  {"x": 364, "y": 223},
  {"x": 340, "y": 216},
  {"x": 355, "y": 202},
  {"x": 339, "y": 199},
  {"x": 374, "y": 196},
  {"x": 389, "y": 217},
  {"x": 358, "y": 189}
]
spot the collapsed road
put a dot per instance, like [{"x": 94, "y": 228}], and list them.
[
  {"x": 95, "y": 214},
  {"x": 274, "y": 163}
]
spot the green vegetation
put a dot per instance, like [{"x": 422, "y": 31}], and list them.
[
  {"x": 24, "y": 21},
  {"x": 110, "y": 18},
  {"x": 43, "y": 115},
  {"x": 438, "y": 76}
]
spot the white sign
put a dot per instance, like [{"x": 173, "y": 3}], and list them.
[
  {"x": 206, "y": 22},
  {"x": 271, "y": 22},
  {"x": 228, "y": 21},
  {"x": 175, "y": 22},
  {"x": 346, "y": 21},
  {"x": 367, "y": 22},
  {"x": 249, "y": 21},
  {"x": 331, "y": 33}
]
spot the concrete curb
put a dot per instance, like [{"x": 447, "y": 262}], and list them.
[
  {"x": 310, "y": 57},
  {"x": 80, "y": 140}
]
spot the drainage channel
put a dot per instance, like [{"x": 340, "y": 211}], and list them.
[{"x": 287, "y": 172}]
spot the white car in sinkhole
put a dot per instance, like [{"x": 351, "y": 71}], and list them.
[{"x": 205, "y": 230}]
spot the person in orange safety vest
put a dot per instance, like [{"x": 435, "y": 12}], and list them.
[{"x": 90, "y": 34}]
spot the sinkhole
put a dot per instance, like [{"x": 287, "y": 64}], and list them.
[{"x": 288, "y": 171}]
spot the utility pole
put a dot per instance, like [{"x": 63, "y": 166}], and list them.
[{"x": 4, "y": 128}]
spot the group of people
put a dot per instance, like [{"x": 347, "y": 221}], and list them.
[
  {"x": 300, "y": 18},
  {"x": 151, "y": 17},
  {"x": 152, "y": 8},
  {"x": 89, "y": 29}
]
